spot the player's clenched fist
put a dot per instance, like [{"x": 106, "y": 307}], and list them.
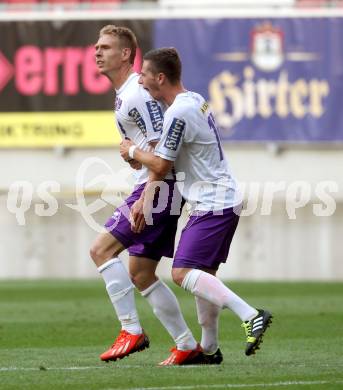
[{"x": 124, "y": 149}]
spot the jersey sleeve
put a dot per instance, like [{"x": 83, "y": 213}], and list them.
[
  {"x": 119, "y": 116},
  {"x": 172, "y": 138}
]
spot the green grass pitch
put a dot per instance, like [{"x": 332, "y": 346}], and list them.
[{"x": 52, "y": 332}]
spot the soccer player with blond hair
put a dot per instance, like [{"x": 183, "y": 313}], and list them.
[{"x": 139, "y": 118}]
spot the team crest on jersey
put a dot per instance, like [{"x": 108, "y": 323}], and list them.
[
  {"x": 136, "y": 116},
  {"x": 117, "y": 103},
  {"x": 174, "y": 134},
  {"x": 156, "y": 115}
]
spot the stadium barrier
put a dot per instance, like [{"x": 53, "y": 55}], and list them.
[{"x": 266, "y": 247}]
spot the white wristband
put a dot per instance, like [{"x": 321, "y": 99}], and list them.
[{"x": 132, "y": 149}]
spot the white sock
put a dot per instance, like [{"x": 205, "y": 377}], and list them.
[
  {"x": 209, "y": 287},
  {"x": 121, "y": 292},
  {"x": 166, "y": 308},
  {"x": 208, "y": 316}
]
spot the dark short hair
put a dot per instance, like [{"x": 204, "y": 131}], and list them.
[
  {"x": 126, "y": 38},
  {"x": 165, "y": 60}
]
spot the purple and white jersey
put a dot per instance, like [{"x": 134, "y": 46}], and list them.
[
  {"x": 138, "y": 117},
  {"x": 190, "y": 139}
]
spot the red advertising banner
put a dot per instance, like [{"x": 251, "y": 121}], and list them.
[{"x": 47, "y": 69}]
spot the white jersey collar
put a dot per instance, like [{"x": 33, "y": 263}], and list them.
[{"x": 127, "y": 82}]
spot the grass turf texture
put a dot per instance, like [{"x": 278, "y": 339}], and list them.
[{"x": 52, "y": 332}]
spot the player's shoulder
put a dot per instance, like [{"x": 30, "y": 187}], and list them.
[
  {"x": 195, "y": 99},
  {"x": 186, "y": 103},
  {"x": 139, "y": 97}
]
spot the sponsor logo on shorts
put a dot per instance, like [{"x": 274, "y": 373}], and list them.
[
  {"x": 156, "y": 115},
  {"x": 116, "y": 215},
  {"x": 174, "y": 134},
  {"x": 136, "y": 116}
]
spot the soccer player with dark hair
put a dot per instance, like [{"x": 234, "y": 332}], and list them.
[{"x": 190, "y": 142}]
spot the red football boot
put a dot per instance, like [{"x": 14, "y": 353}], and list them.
[
  {"x": 126, "y": 344},
  {"x": 180, "y": 358}
]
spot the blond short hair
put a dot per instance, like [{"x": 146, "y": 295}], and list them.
[{"x": 126, "y": 38}]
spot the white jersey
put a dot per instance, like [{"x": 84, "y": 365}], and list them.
[
  {"x": 138, "y": 117},
  {"x": 190, "y": 139}
]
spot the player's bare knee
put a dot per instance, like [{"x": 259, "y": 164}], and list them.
[
  {"x": 97, "y": 254},
  {"x": 138, "y": 281},
  {"x": 92, "y": 254},
  {"x": 142, "y": 279},
  {"x": 135, "y": 277},
  {"x": 178, "y": 275},
  {"x": 104, "y": 248}
]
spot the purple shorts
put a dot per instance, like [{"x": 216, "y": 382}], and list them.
[
  {"x": 157, "y": 239},
  {"x": 205, "y": 241}
]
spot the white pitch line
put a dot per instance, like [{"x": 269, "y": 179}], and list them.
[
  {"x": 186, "y": 387},
  {"x": 107, "y": 366},
  {"x": 191, "y": 387},
  {"x": 232, "y": 385},
  {"x": 43, "y": 368}
]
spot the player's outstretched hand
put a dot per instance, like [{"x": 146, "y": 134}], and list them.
[
  {"x": 137, "y": 216},
  {"x": 124, "y": 148}
]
